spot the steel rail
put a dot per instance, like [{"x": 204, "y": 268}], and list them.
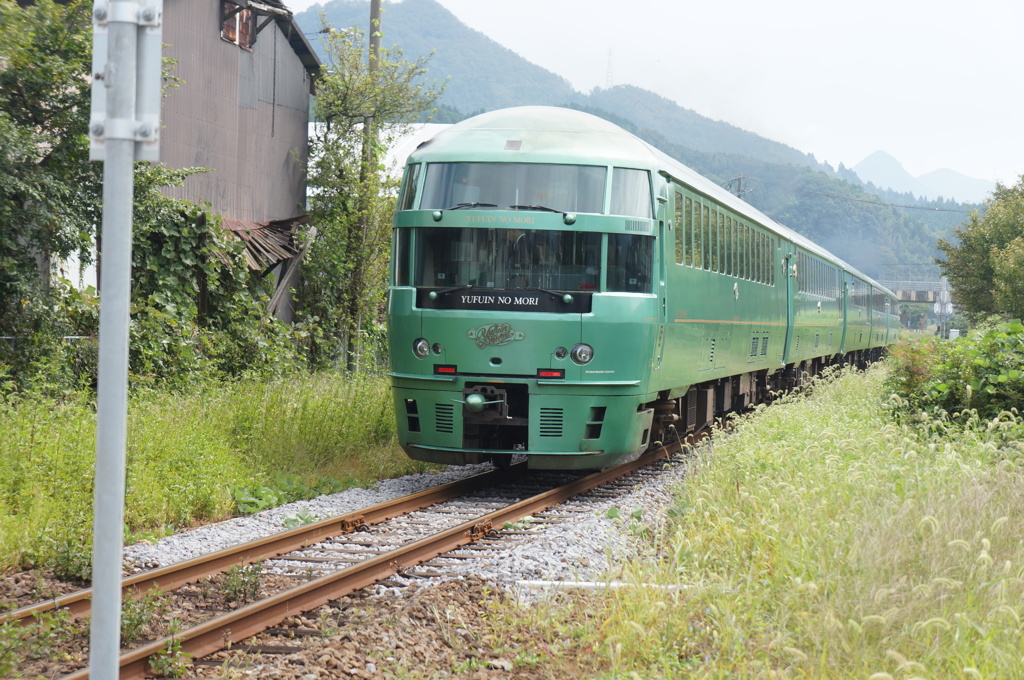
[
  {"x": 243, "y": 623},
  {"x": 174, "y": 576}
]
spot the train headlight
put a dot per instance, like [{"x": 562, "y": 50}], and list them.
[
  {"x": 421, "y": 348},
  {"x": 582, "y": 354}
]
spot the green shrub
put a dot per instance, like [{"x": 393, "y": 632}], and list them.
[{"x": 977, "y": 378}]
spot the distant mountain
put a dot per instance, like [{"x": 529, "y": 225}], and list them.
[
  {"x": 951, "y": 184},
  {"x": 871, "y": 227},
  {"x": 483, "y": 76},
  {"x": 650, "y": 110},
  {"x": 885, "y": 172}
]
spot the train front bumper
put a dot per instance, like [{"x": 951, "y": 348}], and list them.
[{"x": 557, "y": 425}]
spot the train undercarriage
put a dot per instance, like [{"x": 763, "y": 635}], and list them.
[{"x": 697, "y": 409}]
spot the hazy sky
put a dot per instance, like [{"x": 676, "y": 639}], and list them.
[{"x": 935, "y": 83}]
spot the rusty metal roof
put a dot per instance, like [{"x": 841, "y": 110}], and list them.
[{"x": 267, "y": 243}]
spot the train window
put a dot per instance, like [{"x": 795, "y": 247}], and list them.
[
  {"x": 705, "y": 230},
  {"x": 629, "y": 263},
  {"x": 741, "y": 246},
  {"x": 631, "y": 193},
  {"x": 507, "y": 258},
  {"x": 730, "y": 240},
  {"x": 858, "y": 293},
  {"x": 730, "y": 247},
  {"x": 688, "y": 231},
  {"x": 762, "y": 256},
  {"x": 735, "y": 248},
  {"x": 698, "y": 236},
  {"x": 757, "y": 256},
  {"x": 765, "y": 268},
  {"x": 751, "y": 254},
  {"x": 410, "y": 185},
  {"x": 401, "y": 256},
  {"x": 714, "y": 241},
  {"x": 721, "y": 243},
  {"x": 572, "y": 188},
  {"x": 680, "y": 229}
]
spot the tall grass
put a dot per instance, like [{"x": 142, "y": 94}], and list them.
[
  {"x": 822, "y": 540},
  {"x": 185, "y": 454}
]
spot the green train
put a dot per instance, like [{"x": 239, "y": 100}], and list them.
[{"x": 562, "y": 290}]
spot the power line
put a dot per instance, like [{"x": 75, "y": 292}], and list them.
[{"x": 891, "y": 205}]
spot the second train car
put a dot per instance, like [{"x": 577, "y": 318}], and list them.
[{"x": 563, "y": 290}]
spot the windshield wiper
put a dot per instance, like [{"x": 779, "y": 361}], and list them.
[
  {"x": 445, "y": 291},
  {"x": 555, "y": 293},
  {"x": 537, "y": 207},
  {"x": 460, "y": 206}
]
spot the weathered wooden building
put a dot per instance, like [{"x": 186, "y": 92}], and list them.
[{"x": 242, "y": 111}]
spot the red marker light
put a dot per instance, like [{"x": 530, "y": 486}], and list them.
[
  {"x": 445, "y": 370},
  {"x": 550, "y": 372}
]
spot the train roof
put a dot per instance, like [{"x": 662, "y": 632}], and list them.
[{"x": 552, "y": 134}]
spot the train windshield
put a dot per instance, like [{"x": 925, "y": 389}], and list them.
[
  {"x": 508, "y": 258},
  {"x": 518, "y": 258},
  {"x": 567, "y": 188}
]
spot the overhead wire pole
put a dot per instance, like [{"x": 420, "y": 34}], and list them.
[
  {"x": 738, "y": 181},
  {"x": 367, "y": 166},
  {"x": 125, "y": 101}
]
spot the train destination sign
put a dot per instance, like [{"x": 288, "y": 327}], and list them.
[{"x": 514, "y": 300}]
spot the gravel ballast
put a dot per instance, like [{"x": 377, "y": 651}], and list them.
[{"x": 581, "y": 548}]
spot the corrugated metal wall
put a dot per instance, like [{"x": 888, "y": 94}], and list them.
[{"x": 242, "y": 114}]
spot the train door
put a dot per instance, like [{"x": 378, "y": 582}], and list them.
[
  {"x": 890, "y": 327},
  {"x": 844, "y": 313},
  {"x": 872, "y": 323},
  {"x": 665, "y": 250},
  {"x": 789, "y": 260}
]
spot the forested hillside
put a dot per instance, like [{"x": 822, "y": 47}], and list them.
[
  {"x": 482, "y": 75},
  {"x": 877, "y": 231}
]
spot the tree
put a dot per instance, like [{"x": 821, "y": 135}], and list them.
[
  {"x": 351, "y": 193},
  {"x": 196, "y": 309},
  {"x": 49, "y": 192},
  {"x": 986, "y": 265}
]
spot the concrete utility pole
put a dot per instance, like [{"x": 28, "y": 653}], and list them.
[
  {"x": 366, "y": 167},
  {"x": 124, "y": 126}
]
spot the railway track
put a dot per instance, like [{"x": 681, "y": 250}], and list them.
[
  {"x": 329, "y": 560},
  {"x": 175, "y": 575}
]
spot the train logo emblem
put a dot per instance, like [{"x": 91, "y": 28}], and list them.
[{"x": 494, "y": 334}]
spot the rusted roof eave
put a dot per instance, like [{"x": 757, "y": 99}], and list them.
[{"x": 267, "y": 243}]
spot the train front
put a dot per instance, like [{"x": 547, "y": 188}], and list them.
[{"x": 522, "y": 312}]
